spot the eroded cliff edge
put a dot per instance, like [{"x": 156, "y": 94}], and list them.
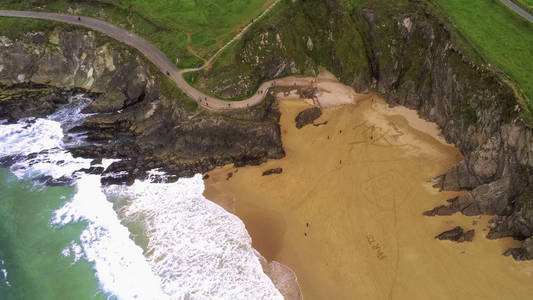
[
  {"x": 138, "y": 115},
  {"x": 408, "y": 54}
]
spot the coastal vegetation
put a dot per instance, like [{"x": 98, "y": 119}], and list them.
[
  {"x": 526, "y": 5},
  {"x": 187, "y": 31},
  {"x": 503, "y": 38},
  {"x": 489, "y": 33}
]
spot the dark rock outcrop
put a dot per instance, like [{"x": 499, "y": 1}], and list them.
[
  {"x": 522, "y": 253},
  {"x": 273, "y": 171},
  {"x": 478, "y": 112},
  {"x": 31, "y": 100},
  {"x": 137, "y": 117},
  {"x": 307, "y": 116},
  {"x": 457, "y": 235},
  {"x": 410, "y": 55}
]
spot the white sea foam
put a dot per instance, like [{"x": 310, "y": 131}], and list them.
[
  {"x": 120, "y": 265},
  {"x": 3, "y": 274},
  {"x": 43, "y": 138},
  {"x": 199, "y": 250},
  {"x": 196, "y": 250}
]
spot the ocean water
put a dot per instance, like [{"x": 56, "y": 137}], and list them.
[{"x": 85, "y": 241}]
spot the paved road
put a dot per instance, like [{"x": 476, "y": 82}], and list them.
[
  {"x": 154, "y": 55},
  {"x": 518, "y": 10}
]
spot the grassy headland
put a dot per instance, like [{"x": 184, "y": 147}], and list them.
[
  {"x": 526, "y": 5},
  {"x": 504, "y": 39},
  {"x": 187, "y": 31}
]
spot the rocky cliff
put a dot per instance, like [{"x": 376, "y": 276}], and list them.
[
  {"x": 422, "y": 68},
  {"x": 137, "y": 116},
  {"x": 406, "y": 52}
]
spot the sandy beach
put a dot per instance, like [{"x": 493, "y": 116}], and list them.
[{"x": 346, "y": 213}]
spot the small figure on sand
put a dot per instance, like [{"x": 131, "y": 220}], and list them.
[
  {"x": 305, "y": 233},
  {"x": 307, "y": 224}
]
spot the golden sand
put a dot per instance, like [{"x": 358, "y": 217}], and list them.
[{"x": 346, "y": 213}]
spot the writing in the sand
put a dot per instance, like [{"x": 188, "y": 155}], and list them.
[{"x": 376, "y": 246}]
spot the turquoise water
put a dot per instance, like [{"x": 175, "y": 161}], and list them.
[
  {"x": 153, "y": 241},
  {"x": 31, "y": 248}
]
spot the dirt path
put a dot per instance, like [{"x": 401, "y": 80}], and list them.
[
  {"x": 190, "y": 48},
  {"x": 518, "y": 10},
  {"x": 155, "y": 55}
]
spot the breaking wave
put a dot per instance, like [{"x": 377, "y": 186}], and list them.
[{"x": 194, "y": 249}]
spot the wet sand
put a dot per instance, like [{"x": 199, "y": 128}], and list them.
[{"x": 346, "y": 213}]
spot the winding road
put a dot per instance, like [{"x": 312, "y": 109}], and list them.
[
  {"x": 518, "y": 10},
  {"x": 156, "y": 56}
]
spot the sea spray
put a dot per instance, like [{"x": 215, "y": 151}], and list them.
[
  {"x": 195, "y": 249},
  {"x": 120, "y": 265},
  {"x": 199, "y": 250}
]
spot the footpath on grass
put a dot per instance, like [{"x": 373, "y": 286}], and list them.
[
  {"x": 157, "y": 57},
  {"x": 518, "y": 10}
]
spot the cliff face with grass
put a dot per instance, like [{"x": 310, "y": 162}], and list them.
[
  {"x": 406, "y": 52},
  {"x": 137, "y": 115}
]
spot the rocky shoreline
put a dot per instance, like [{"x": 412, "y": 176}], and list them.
[
  {"x": 406, "y": 53},
  {"x": 132, "y": 117},
  {"x": 411, "y": 56}
]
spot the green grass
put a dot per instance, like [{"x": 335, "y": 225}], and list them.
[
  {"x": 202, "y": 26},
  {"x": 169, "y": 89},
  {"x": 14, "y": 28},
  {"x": 503, "y": 38}
]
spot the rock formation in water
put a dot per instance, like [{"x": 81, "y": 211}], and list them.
[{"x": 139, "y": 117}]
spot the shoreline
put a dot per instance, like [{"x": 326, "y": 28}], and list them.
[{"x": 282, "y": 212}]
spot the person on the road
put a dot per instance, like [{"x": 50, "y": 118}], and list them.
[{"x": 79, "y": 19}]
